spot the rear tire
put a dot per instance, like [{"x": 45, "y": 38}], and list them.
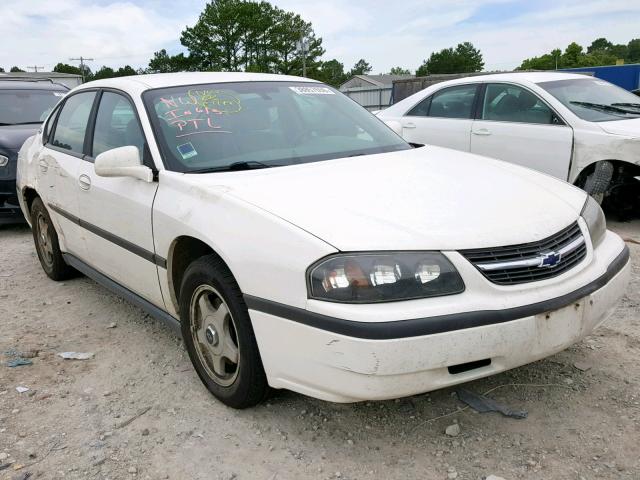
[
  {"x": 45, "y": 238},
  {"x": 218, "y": 335}
]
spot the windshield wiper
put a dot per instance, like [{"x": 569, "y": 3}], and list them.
[
  {"x": 605, "y": 108},
  {"x": 236, "y": 166},
  {"x": 626, "y": 104}
]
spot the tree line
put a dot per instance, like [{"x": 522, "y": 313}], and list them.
[
  {"x": 252, "y": 36},
  {"x": 600, "y": 52}
]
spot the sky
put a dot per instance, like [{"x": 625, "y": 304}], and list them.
[{"x": 386, "y": 33}]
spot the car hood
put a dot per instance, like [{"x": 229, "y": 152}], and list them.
[
  {"x": 425, "y": 198},
  {"x": 13, "y": 136},
  {"x": 629, "y": 128}
]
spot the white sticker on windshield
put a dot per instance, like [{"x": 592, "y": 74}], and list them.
[
  {"x": 312, "y": 90},
  {"x": 59, "y": 94}
]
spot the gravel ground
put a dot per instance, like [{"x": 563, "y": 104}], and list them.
[{"x": 137, "y": 408}]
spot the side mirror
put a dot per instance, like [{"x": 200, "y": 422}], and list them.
[
  {"x": 122, "y": 162},
  {"x": 394, "y": 125}
]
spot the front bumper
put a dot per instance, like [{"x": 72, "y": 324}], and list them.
[{"x": 347, "y": 361}]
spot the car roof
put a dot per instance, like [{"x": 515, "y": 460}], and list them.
[
  {"x": 140, "y": 83},
  {"x": 11, "y": 84},
  {"x": 522, "y": 77}
]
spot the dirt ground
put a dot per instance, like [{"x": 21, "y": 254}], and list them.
[{"x": 137, "y": 408}]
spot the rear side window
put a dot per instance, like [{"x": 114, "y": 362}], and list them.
[
  {"x": 452, "y": 102},
  {"x": 72, "y": 122},
  {"x": 510, "y": 103},
  {"x": 116, "y": 125}
]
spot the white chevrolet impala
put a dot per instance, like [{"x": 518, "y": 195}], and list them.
[
  {"x": 299, "y": 243},
  {"x": 578, "y": 128}
]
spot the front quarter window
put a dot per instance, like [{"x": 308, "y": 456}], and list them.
[{"x": 217, "y": 127}]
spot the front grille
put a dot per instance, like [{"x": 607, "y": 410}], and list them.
[{"x": 521, "y": 263}]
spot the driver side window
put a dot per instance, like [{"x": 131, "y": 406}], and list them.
[{"x": 116, "y": 125}]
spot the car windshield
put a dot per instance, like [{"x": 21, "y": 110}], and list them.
[
  {"x": 27, "y": 106},
  {"x": 233, "y": 126},
  {"x": 593, "y": 99}
]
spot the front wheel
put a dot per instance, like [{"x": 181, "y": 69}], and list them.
[{"x": 218, "y": 335}]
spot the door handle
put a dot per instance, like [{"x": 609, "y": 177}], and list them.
[
  {"x": 84, "y": 181},
  {"x": 44, "y": 166},
  {"x": 409, "y": 125},
  {"x": 481, "y": 131}
]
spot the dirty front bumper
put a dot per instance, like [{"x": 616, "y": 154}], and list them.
[{"x": 346, "y": 361}]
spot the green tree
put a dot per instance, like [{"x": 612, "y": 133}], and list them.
[
  {"x": 16, "y": 70},
  {"x": 1, "y": 70},
  {"x": 165, "y": 63},
  {"x": 465, "y": 58},
  {"x": 619, "y": 51},
  {"x": 125, "y": 71},
  {"x": 600, "y": 52},
  {"x": 399, "y": 71},
  {"x": 361, "y": 67},
  {"x": 600, "y": 45},
  {"x": 330, "y": 72},
  {"x": 66, "y": 68},
  {"x": 103, "y": 72},
  {"x": 236, "y": 35},
  {"x": 633, "y": 51}
]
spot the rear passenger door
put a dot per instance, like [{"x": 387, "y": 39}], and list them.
[
  {"x": 517, "y": 126},
  {"x": 443, "y": 119},
  {"x": 116, "y": 211}
]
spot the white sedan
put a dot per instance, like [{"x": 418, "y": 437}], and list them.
[
  {"x": 299, "y": 243},
  {"x": 578, "y": 128}
]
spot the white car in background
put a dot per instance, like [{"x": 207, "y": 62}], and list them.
[
  {"x": 578, "y": 128},
  {"x": 297, "y": 242}
]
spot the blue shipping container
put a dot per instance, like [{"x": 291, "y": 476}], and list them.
[{"x": 625, "y": 76}]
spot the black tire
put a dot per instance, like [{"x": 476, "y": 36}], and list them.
[
  {"x": 597, "y": 183},
  {"x": 210, "y": 275},
  {"x": 45, "y": 238}
]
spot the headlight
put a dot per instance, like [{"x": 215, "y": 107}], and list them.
[
  {"x": 3, "y": 161},
  {"x": 381, "y": 277},
  {"x": 594, "y": 216}
]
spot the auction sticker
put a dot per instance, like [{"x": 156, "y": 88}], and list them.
[
  {"x": 312, "y": 90},
  {"x": 187, "y": 150}
]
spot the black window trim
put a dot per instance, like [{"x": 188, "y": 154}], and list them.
[
  {"x": 54, "y": 127},
  {"x": 147, "y": 159},
  {"x": 50, "y": 122},
  {"x": 474, "y": 104},
  {"x": 480, "y": 105}
]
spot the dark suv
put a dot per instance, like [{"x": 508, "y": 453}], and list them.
[{"x": 24, "y": 104}]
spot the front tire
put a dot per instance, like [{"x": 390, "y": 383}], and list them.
[
  {"x": 218, "y": 335},
  {"x": 45, "y": 238}
]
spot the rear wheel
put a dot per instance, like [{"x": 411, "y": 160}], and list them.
[
  {"x": 217, "y": 332},
  {"x": 45, "y": 238}
]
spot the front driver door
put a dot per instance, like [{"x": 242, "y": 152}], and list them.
[
  {"x": 117, "y": 210},
  {"x": 516, "y": 126},
  {"x": 443, "y": 119}
]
